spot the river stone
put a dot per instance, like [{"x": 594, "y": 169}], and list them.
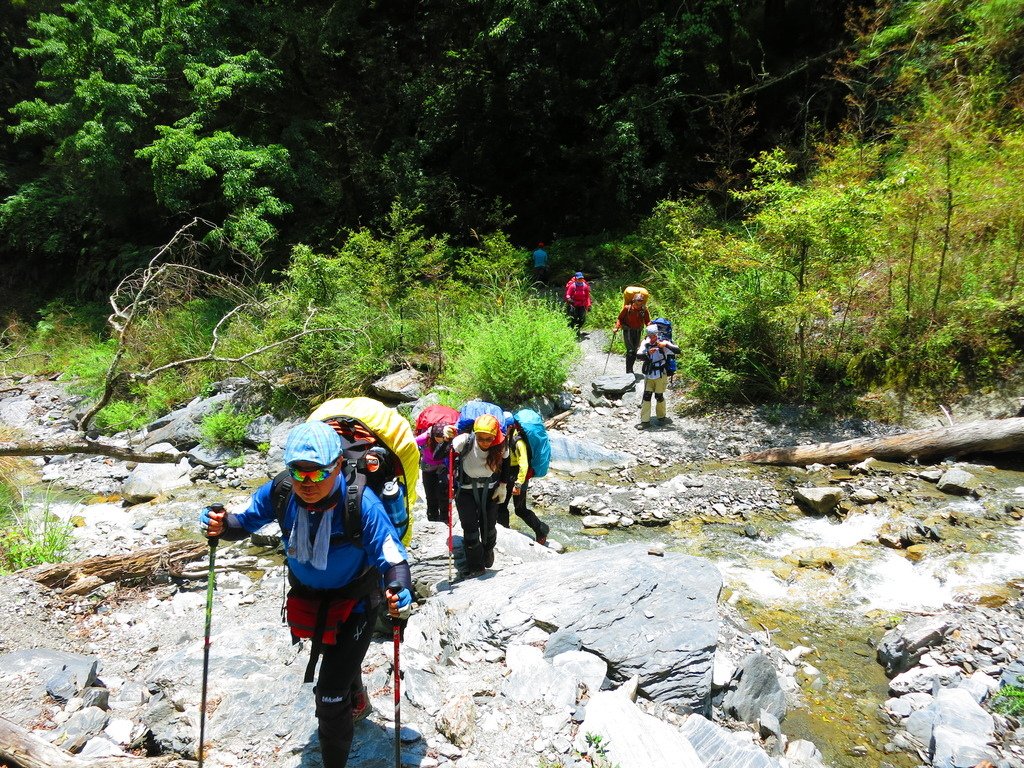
[
  {"x": 584, "y": 667},
  {"x": 719, "y": 748},
  {"x": 979, "y": 685},
  {"x": 614, "y": 591},
  {"x": 956, "y": 708},
  {"x": 818, "y": 501},
  {"x": 533, "y": 679},
  {"x": 614, "y": 385},
  {"x": 634, "y": 739},
  {"x": 216, "y": 456},
  {"x": 600, "y": 521},
  {"x": 924, "y": 680},
  {"x": 902, "y": 647},
  {"x": 457, "y": 721},
  {"x": 957, "y": 482},
  {"x": 70, "y": 672},
  {"x": 404, "y": 386},
  {"x": 421, "y": 689},
  {"x": 758, "y": 689},
  {"x": 1013, "y": 674},
  {"x": 865, "y": 496},
  {"x": 80, "y": 727}
]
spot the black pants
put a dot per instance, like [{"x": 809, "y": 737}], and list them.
[
  {"x": 576, "y": 316},
  {"x": 435, "y": 488},
  {"x": 539, "y": 527},
  {"x": 631, "y": 338},
  {"x": 340, "y": 670},
  {"x": 478, "y": 516}
]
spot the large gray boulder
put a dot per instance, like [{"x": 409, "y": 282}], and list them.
[
  {"x": 653, "y": 617},
  {"x": 181, "y": 428},
  {"x": 958, "y": 482},
  {"x": 403, "y": 386},
  {"x": 569, "y": 454}
]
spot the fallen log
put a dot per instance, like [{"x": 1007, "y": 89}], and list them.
[
  {"x": 93, "y": 448},
  {"x": 23, "y": 749},
  {"x": 991, "y": 436},
  {"x": 142, "y": 563}
]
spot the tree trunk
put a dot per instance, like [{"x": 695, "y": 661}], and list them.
[
  {"x": 994, "y": 436},
  {"x": 94, "y": 448},
  {"x": 135, "y": 565},
  {"x": 22, "y": 749}
]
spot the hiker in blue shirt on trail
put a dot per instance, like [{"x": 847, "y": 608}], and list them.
[
  {"x": 540, "y": 264},
  {"x": 335, "y": 575}
]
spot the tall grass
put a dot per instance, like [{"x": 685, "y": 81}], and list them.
[
  {"x": 518, "y": 350},
  {"x": 27, "y": 536}
]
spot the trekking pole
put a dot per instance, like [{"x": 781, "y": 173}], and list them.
[
  {"x": 451, "y": 484},
  {"x": 211, "y": 580},
  {"x": 396, "y": 626},
  {"x": 610, "y": 344}
]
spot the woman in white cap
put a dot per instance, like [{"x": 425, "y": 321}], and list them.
[{"x": 654, "y": 352}]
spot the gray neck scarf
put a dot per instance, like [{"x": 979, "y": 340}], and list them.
[{"x": 299, "y": 547}]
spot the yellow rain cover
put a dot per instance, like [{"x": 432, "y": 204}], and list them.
[
  {"x": 388, "y": 426},
  {"x": 632, "y": 290}
]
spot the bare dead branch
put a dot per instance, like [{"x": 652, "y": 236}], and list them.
[
  {"x": 212, "y": 358},
  {"x": 93, "y": 448}
]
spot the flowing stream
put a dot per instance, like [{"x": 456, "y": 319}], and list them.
[{"x": 843, "y": 606}]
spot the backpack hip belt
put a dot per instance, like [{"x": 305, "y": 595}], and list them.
[{"x": 317, "y": 613}]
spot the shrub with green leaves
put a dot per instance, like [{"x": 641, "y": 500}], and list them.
[
  {"x": 28, "y": 537},
  {"x": 521, "y": 349},
  {"x": 225, "y": 427},
  {"x": 1009, "y": 701}
]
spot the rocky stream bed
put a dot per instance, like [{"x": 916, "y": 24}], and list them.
[{"x": 759, "y": 616}]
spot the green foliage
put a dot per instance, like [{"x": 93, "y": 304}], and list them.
[
  {"x": 120, "y": 415},
  {"x": 1009, "y": 701},
  {"x": 518, "y": 350},
  {"x": 225, "y": 427},
  {"x": 26, "y": 537}
]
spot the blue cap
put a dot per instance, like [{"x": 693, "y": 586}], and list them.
[
  {"x": 578, "y": 275},
  {"x": 312, "y": 441}
]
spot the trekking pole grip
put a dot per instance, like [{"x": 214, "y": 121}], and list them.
[
  {"x": 393, "y": 589},
  {"x": 215, "y": 507}
]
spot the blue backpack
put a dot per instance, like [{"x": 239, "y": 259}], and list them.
[
  {"x": 538, "y": 446},
  {"x": 665, "y": 332},
  {"x": 469, "y": 412}
]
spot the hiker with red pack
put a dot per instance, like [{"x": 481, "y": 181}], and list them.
[
  {"x": 431, "y": 440},
  {"x": 577, "y": 301}
]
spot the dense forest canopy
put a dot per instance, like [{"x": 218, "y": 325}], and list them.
[
  {"x": 824, "y": 197},
  {"x": 290, "y": 122}
]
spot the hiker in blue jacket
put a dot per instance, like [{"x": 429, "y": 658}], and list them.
[{"x": 336, "y": 577}]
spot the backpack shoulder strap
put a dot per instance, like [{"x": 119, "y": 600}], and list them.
[
  {"x": 355, "y": 481},
  {"x": 280, "y": 490}
]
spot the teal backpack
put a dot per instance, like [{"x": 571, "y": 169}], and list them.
[{"x": 538, "y": 445}]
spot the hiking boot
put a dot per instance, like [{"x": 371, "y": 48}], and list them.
[
  {"x": 643, "y": 425},
  {"x": 488, "y": 558},
  {"x": 361, "y": 707},
  {"x": 542, "y": 535}
]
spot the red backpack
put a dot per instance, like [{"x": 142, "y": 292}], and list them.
[{"x": 433, "y": 415}]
